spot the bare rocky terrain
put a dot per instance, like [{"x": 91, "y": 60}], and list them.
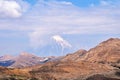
[{"x": 99, "y": 63}]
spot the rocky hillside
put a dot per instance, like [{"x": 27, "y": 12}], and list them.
[
  {"x": 99, "y": 63},
  {"x": 107, "y": 51}
]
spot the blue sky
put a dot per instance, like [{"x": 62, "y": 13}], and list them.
[
  {"x": 54, "y": 27},
  {"x": 83, "y": 3},
  {"x": 32, "y": 2}
]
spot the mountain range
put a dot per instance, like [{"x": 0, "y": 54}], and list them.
[
  {"x": 23, "y": 60},
  {"x": 99, "y": 63}
]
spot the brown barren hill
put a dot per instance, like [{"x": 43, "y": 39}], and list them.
[
  {"x": 82, "y": 64},
  {"x": 75, "y": 56},
  {"x": 68, "y": 70},
  {"x": 107, "y": 51}
]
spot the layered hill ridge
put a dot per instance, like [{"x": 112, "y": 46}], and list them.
[
  {"x": 23, "y": 60},
  {"x": 107, "y": 51}
]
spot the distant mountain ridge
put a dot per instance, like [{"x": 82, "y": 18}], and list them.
[
  {"x": 23, "y": 60},
  {"x": 107, "y": 51}
]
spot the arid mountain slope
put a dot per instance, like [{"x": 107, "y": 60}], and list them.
[
  {"x": 76, "y": 67},
  {"x": 75, "y": 56},
  {"x": 107, "y": 51},
  {"x": 69, "y": 70}
]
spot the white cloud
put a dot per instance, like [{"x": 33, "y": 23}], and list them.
[
  {"x": 57, "y": 18},
  {"x": 11, "y": 8},
  {"x": 66, "y": 3},
  {"x": 48, "y": 18},
  {"x": 63, "y": 43}
]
